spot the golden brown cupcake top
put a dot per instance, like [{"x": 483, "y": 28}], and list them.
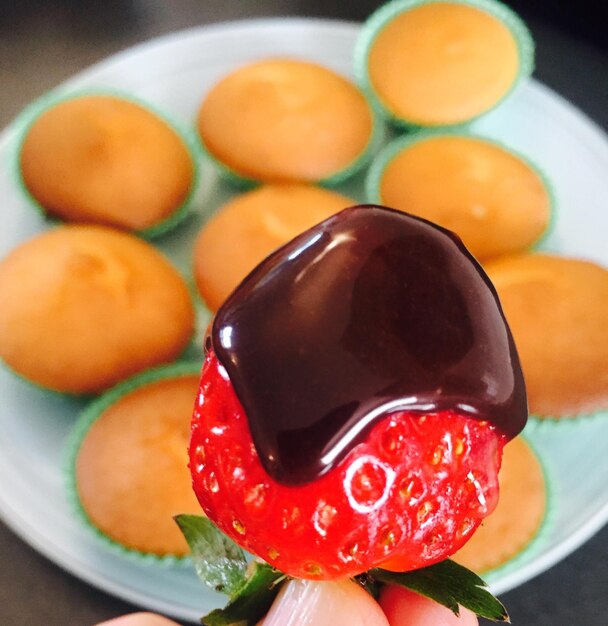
[
  {"x": 490, "y": 197},
  {"x": 131, "y": 470},
  {"x": 283, "y": 120},
  {"x": 105, "y": 160},
  {"x": 249, "y": 227},
  {"x": 442, "y": 63},
  {"x": 557, "y": 310},
  {"x": 82, "y": 307}
]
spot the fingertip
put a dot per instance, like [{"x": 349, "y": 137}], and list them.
[
  {"x": 403, "y": 607},
  {"x": 333, "y": 603}
]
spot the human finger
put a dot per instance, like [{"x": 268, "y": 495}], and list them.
[
  {"x": 308, "y": 603},
  {"x": 407, "y": 608}
]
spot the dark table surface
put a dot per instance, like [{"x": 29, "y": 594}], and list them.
[{"x": 42, "y": 43}]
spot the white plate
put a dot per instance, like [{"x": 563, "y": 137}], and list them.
[{"x": 174, "y": 72}]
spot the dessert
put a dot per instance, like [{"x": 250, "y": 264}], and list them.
[
  {"x": 129, "y": 476},
  {"x": 357, "y": 392},
  {"x": 107, "y": 160},
  {"x": 249, "y": 227},
  {"x": 503, "y": 535},
  {"x": 83, "y": 307},
  {"x": 489, "y": 196},
  {"x": 283, "y": 120},
  {"x": 434, "y": 63},
  {"x": 557, "y": 308}
]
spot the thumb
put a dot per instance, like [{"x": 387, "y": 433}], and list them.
[{"x": 334, "y": 603}]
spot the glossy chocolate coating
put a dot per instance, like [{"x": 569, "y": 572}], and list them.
[{"x": 370, "y": 312}]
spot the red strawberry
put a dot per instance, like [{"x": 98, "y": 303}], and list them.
[{"x": 408, "y": 496}]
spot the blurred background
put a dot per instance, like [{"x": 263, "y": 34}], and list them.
[{"x": 43, "y": 42}]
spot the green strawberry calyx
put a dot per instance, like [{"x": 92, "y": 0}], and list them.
[{"x": 252, "y": 587}]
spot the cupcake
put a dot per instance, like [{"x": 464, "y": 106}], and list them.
[
  {"x": 494, "y": 199},
  {"x": 250, "y": 227},
  {"x": 517, "y": 519},
  {"x": 83, "y": 307},
  {"x": 128, "y": 461},
  {"x": 105, "y": 159},
  {"x": 282, "y": 120},
  {"x": 557, "y": 310},
  {"x": 428, "y": 63}
]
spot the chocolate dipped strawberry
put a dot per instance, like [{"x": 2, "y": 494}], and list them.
[{"x": 358, "y": 389}]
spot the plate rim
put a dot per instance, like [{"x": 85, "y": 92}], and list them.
[{"x": 596, "y": 138}]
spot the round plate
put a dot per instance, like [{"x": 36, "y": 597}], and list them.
[{"x": 174, "y": 73}]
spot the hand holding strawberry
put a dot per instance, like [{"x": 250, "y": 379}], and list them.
[{"x": 326, "y": 604}]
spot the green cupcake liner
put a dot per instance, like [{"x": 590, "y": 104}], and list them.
[
  {"x": 28, "y": 117},
  {"x": 77, "y": 435},
  {"x": 402, "y": 143},
  {"x": 541, "y": 537},
  {"x": 39, "y": 387},
  {"x": 87, "y": 397},
  {"x": 387, "y": 12},
  {"x": 245, "y": 183},
  {"x": 364, "y": 159},
  {"x": 238, "y": 181},
  {"x": 573, "y": 421}
]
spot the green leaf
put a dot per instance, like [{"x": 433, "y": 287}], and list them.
[
  {"x": 252, "y": 601},
  {"x": 370, "y": 584},
  {"x": 219, "y": 562},
  {"x": 451, "y": 585}
]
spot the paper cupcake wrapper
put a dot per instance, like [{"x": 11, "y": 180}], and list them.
[
  {"x": 573, "y": 421},
  {"x": 186, "y": 352},
  {"x": 82, "y": 426},
  {"x": 244, "y": 183},
  {"x": 387, "y": 12},
  {"x": 384, "y": 158},
  {"x": 26, "y": 119},
  {"x": 39, "y": 387}
]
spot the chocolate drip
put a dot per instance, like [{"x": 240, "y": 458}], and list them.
[{"x": 369, "y": 312}]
